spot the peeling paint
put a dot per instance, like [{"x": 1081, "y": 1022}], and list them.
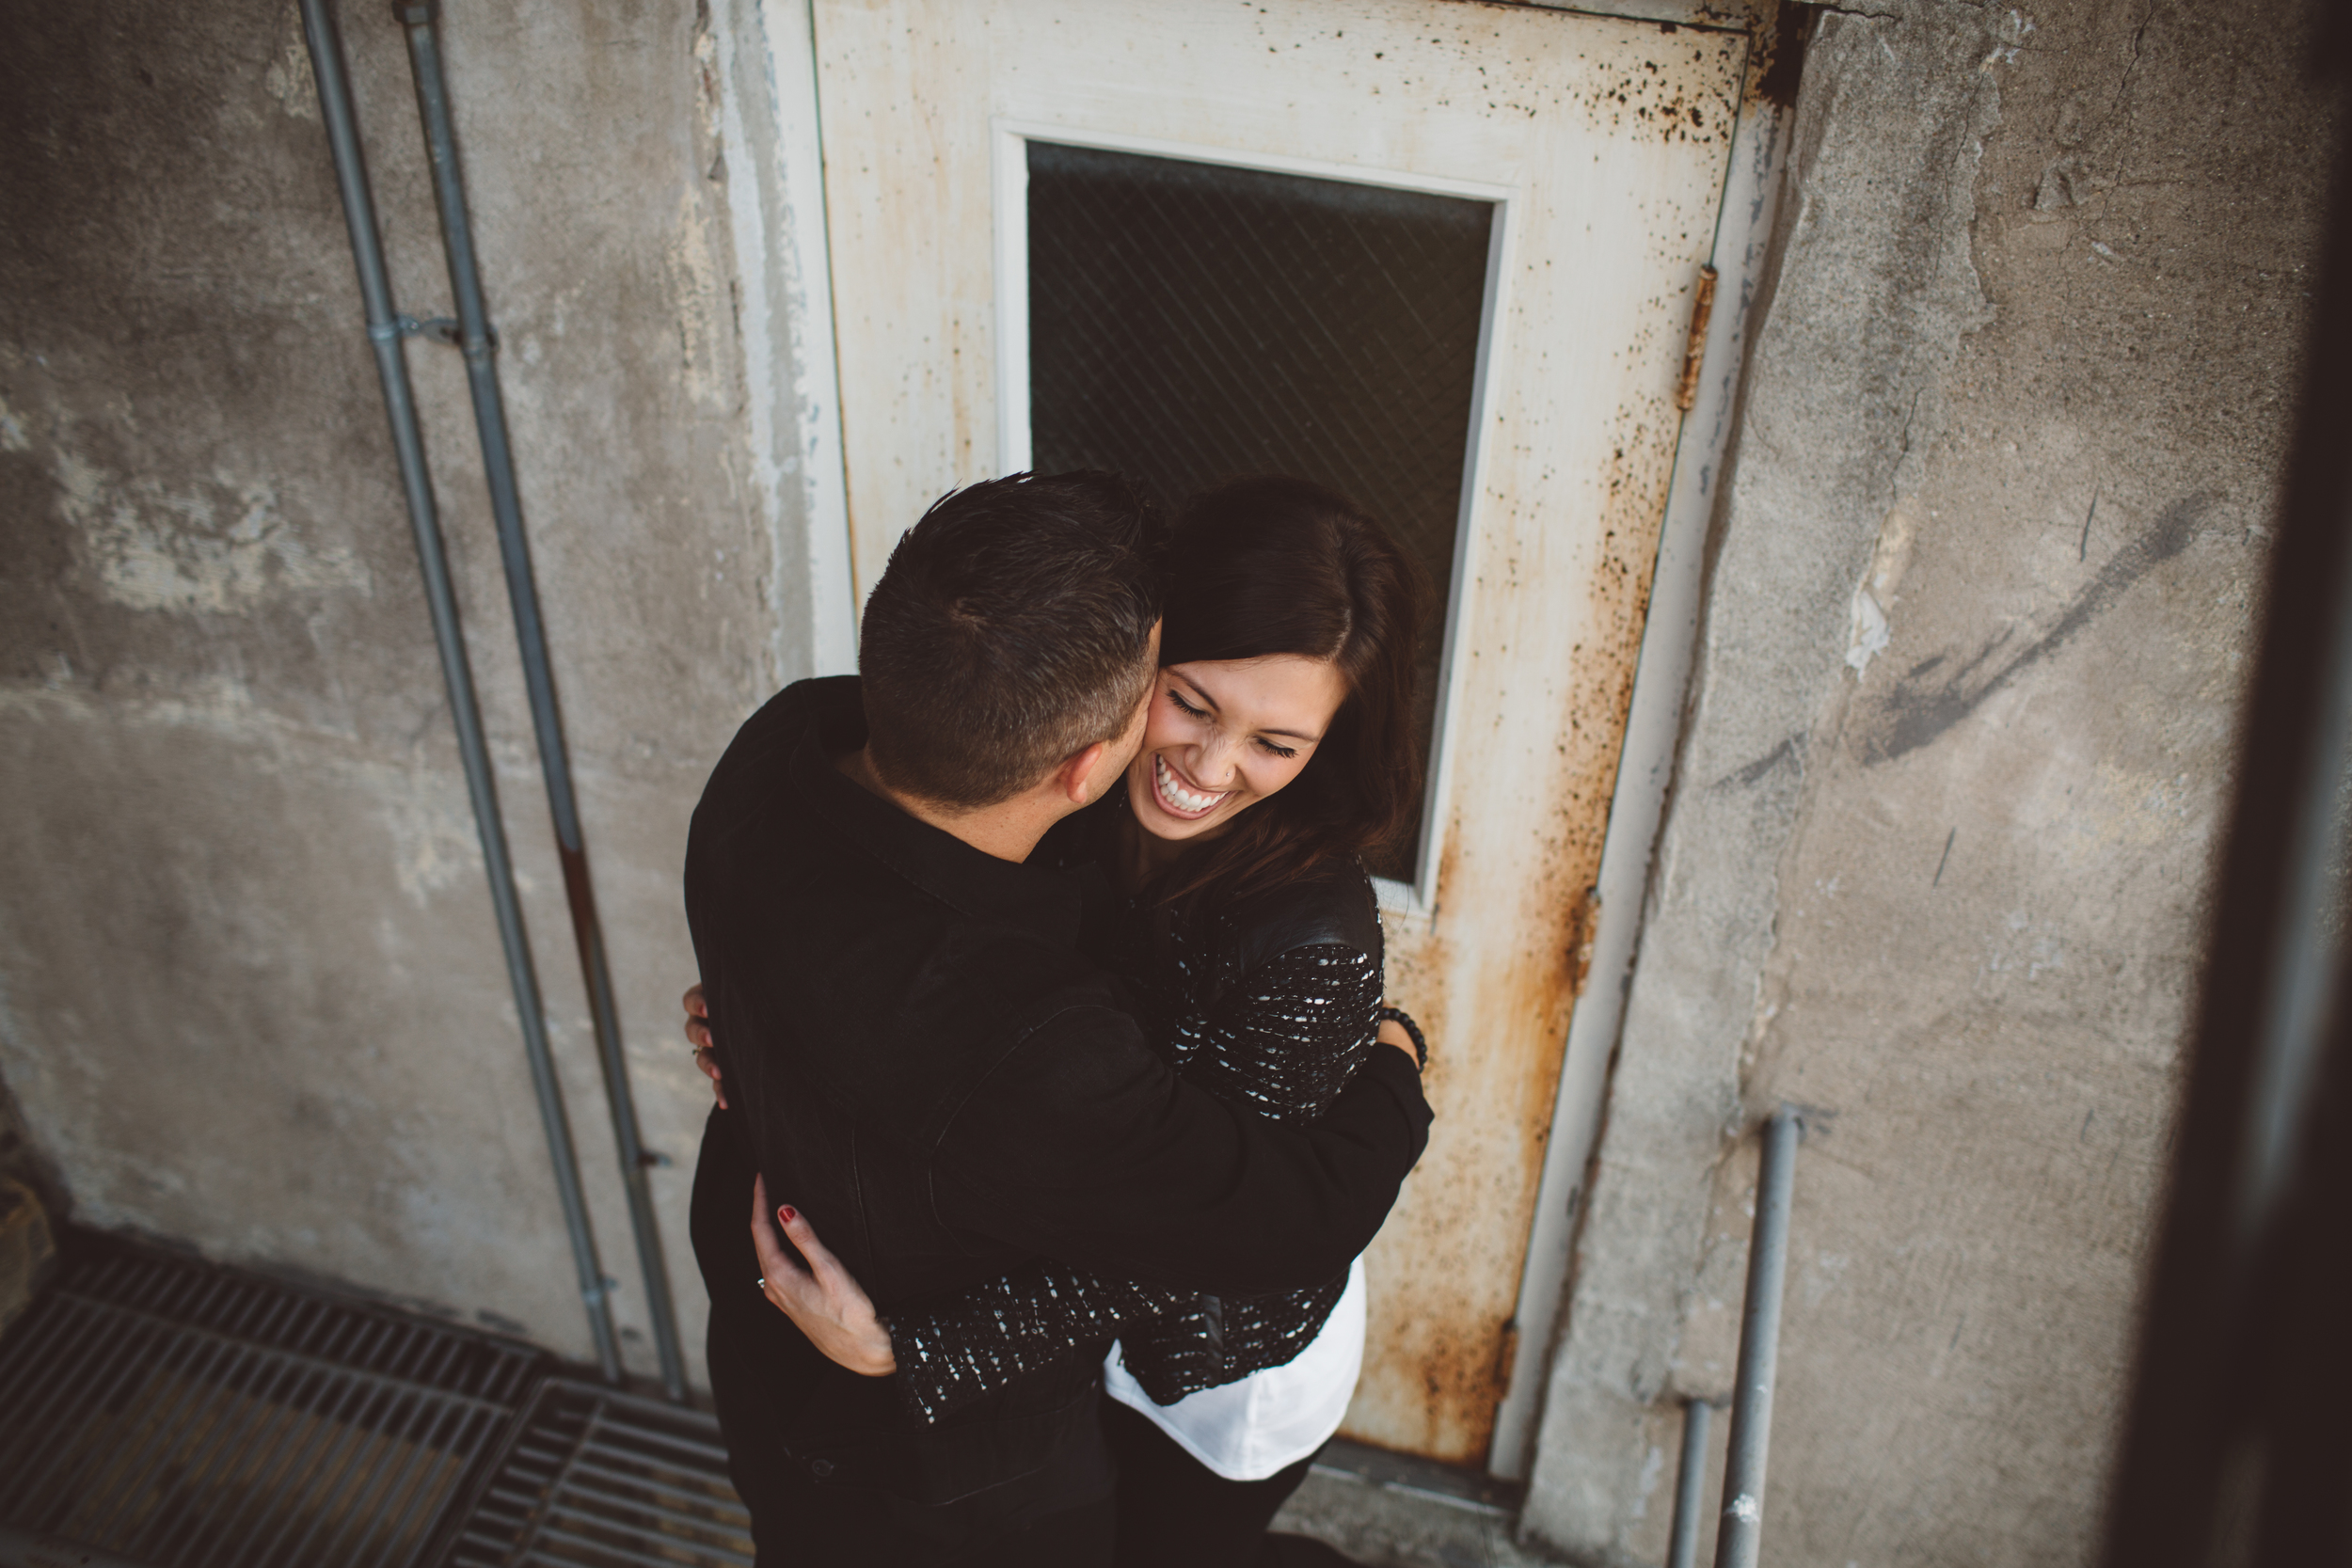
[
  {"x": 215, "y": 547},
  {"x": 1871, "y": 626},
  {"x": 696, "y": 290},
  {"x": 288, "y": 79}
]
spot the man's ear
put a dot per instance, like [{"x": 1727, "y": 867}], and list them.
[{"x": 1070, "y": 779}]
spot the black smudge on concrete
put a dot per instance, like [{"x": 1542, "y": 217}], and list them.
[
  {"x": 1937, "y": 693},
  {"x": 1789, "y": 752}
]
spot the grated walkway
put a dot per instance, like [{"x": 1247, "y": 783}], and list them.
[
  {"x": 160, "y": 1412},
  {"x": 170, "y": 1414}
]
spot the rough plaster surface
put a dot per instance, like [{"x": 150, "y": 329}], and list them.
[
  {"x": 251, "y": 996},
  {"x": 1957, "y": 753}
]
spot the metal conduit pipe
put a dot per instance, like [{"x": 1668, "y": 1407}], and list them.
[
  {"x": 480, "y": 344},
  {"x": 1743, "y": 1525},
  {"x": 386, "y": 329},
  {"x": 1683, "y": 1546}
]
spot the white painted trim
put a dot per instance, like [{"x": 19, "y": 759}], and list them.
[
  {"x": 1718, "y": 16},
  {"x": 1008, "y": 176},
  {"x": 1198, "y": 152},
  {"x": 1452, "y": 668},
  {"x": 787, "y": 273},
  {"x": 1669, "y": 647},
  {"x": 1010, "y": 182}
]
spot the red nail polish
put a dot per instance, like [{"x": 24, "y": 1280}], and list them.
[{"x": 786, "y": 1213}]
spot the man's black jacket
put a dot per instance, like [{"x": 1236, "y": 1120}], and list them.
[{"x": 916, "y": 1056}]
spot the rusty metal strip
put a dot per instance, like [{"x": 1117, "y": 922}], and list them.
[{"x": 1694, "y": 352}]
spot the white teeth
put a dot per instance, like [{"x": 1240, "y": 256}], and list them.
[{"x": 1176, "y": 794}]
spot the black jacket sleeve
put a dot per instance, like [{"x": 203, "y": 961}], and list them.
[
  {"x": 1083, "y": 1145},
  {"x": 1285, "y": 1043}
]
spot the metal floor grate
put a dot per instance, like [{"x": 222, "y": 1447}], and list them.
[
  {"x": 178, "y": 1415},
  {"x": 598, "y": 1479}
]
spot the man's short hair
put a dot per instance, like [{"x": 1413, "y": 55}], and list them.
[{"x": 1011, "y": 629}]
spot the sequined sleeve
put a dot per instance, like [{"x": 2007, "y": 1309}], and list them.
[
  {"x": 955, "y": 1348},
  {"x": 1284, "y": 1041},
  {"x": 1287, "y": 1039}
]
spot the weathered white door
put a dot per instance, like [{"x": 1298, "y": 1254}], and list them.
[{"x": 1598, "y": 147}]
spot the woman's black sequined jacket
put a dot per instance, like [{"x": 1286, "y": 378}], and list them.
[{"x": 1269, "y": 1003}]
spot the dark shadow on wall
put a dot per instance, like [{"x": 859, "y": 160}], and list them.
[{"x": 21, "y": 1160}]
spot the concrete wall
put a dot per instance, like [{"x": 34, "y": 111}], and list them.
[
  {"x": 1957, "y": 751},
  {"x": 252, "y": 997}
]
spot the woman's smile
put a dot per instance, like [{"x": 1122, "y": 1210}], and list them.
[
  {"x": 1248, "y": 723},
  {"x": 1176, "y": 794}
]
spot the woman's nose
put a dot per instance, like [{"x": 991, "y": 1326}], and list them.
[{"x": 1213, "y": 766}]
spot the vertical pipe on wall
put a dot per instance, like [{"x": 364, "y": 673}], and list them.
[
  {"x": 1742, "y": 1527},
  {"x": 481, "y": 351},
  {"x": 384, "y": 330},
  {"x": 1683, "y": 1546}
]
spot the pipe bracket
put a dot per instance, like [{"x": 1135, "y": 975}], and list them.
[{"x": 441, "y": 329}]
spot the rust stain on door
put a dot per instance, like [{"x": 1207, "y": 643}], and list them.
[{"x": 1445, "y": 1272}]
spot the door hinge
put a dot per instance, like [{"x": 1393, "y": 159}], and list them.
[{"x": 1694, "y": 352}]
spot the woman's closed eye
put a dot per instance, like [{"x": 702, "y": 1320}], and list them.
[{"x": 1183, "y": 706}]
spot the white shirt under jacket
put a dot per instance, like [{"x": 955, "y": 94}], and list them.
[{"x": 1269, "y": 1420}]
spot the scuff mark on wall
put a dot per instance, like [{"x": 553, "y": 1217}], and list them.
[
  {"x": 434, "y": 843},
  {"x": 2124, "y": 809},
  {"x": 213, "y": 547},
  {"x": 289, "y": 79},
  {"x": 1936, "y": 694},
  {"x": 1789, "y": 754}
]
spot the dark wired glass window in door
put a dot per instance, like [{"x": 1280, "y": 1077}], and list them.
[{"x": 1191, "y": 322}]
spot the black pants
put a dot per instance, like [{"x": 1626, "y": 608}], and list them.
[
  {"x": 1174, "y": 1511},
  {"x": 1061, "y": 1514}
]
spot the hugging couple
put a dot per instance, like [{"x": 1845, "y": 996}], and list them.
[{"x": 1041, "y": 986}]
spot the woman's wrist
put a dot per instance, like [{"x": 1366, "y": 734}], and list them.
[{"x": 1404, "y": 1020}]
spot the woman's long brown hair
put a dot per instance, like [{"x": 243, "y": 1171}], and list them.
[{"x": 1271, "y": 565}]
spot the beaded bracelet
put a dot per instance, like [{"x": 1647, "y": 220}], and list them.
[{"x": 1412, "y": 1031}]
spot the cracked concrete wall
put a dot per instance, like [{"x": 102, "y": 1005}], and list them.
[
  {"x": 1957, "y": 755},
  {"x": 251, "y": 995}
]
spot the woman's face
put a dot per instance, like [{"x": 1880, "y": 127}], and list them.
[{"x": 1222, "y": 735}]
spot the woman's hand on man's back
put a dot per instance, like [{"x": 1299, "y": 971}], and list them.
[
  {"x": 823, "y": 1300},
  {"x": 698, "y": 1035}
]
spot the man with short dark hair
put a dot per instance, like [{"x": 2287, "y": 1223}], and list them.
[{"x": 917, "y": 1058}]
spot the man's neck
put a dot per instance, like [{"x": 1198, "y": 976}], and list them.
[{"x": 1008, "y": 832}]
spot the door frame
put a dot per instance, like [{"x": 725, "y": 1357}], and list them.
[{"x": 767, "y": 59}]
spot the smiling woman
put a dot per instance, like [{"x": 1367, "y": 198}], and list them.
[
  {"x": 1286, "y": 683},
  {"x": 1223, "y": 735}
]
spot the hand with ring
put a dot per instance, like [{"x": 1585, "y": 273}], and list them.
[{"x": 823, "y": 1300}]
